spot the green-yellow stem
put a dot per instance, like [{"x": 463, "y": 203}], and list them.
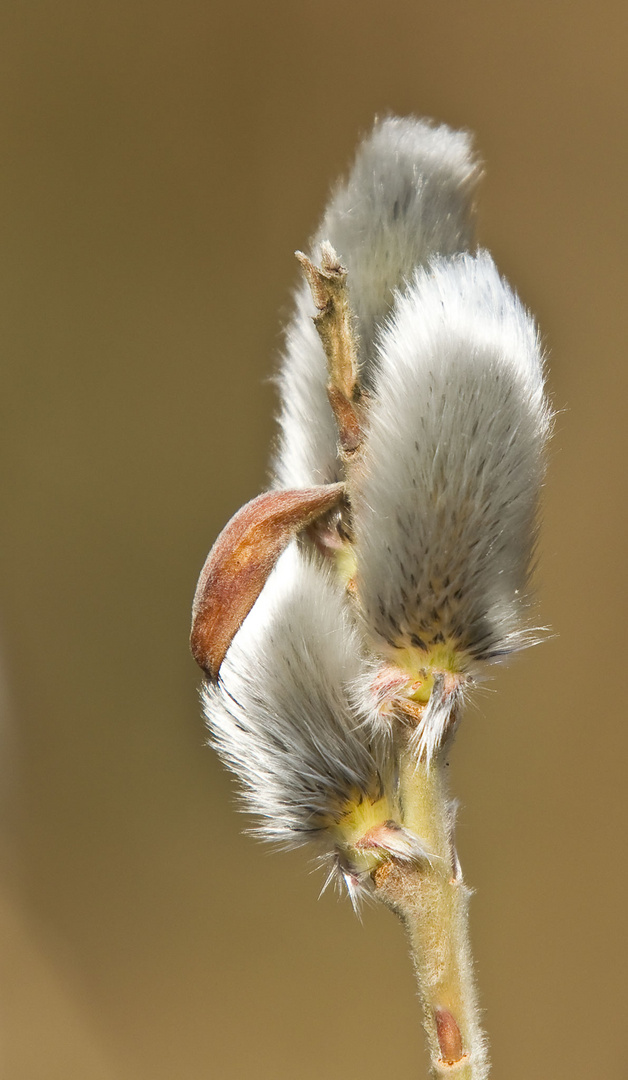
[{"x": 432, "y": 901}]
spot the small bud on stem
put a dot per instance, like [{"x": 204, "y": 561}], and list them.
[{"x": 449, "y": 1037}]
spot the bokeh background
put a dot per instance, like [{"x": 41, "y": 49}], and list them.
[{"x": 160, "y": 163}]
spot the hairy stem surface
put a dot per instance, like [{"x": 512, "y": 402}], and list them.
[{"x": 432, "y": 901}]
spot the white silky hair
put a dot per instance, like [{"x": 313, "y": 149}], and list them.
[
  {"x": 434, "y": 726},
  {"x": 408, "y": 197},
  {"x": 279, "y": 716},
  {"x": 446, "y": 496}
]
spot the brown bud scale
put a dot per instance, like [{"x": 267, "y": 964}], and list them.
[{"x": 241, "y": 560}]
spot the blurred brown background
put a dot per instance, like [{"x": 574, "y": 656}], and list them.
[{"x": 160, "y": 163}]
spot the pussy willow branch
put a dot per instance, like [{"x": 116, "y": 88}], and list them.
[{"x": 342, "y": 616}]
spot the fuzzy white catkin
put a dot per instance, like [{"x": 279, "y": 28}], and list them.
[
  {"x": 445, "y": 502},
  {"x": 279, "y": 715},
  {"x": 408, "y": 197}
]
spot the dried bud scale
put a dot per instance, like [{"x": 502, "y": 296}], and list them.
[
  {"x": 413, "y": 426},
  {"x": 241, "y": 560}
]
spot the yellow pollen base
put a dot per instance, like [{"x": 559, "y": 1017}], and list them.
[{"x": 359, "y": 818}]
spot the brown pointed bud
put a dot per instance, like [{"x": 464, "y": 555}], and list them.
[
  {"x": 449, "y": 1037},
  {"x": 241, "y": 560}
]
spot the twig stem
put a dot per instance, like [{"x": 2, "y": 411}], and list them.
[
  {"x": 334, "y": 323},
  {"x": 432, "y": 901}
]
